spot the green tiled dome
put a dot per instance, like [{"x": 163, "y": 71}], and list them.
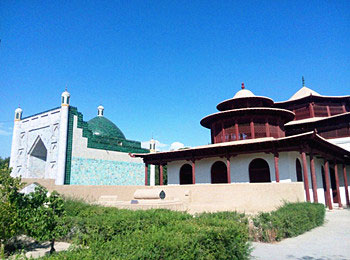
[{"x": 102, "y": 126}]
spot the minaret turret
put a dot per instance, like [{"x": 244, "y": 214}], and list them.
[
  {"x": 15, "y": 136},
  {"x": 18, "y": 114},
  {"x": 65, "y": 98},
  {"x": 62, "y": 142},
  {"x": 100, "y": 110}
]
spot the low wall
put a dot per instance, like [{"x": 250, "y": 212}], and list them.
[{"x": 244, "y": 197}]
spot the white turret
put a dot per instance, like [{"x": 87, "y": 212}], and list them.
[
  {"x": 152, "y": 147},
  {"x": 15, "y": 136},
  {"x": 62, "y": 142},
  {"x": 65, "y": 98},
  {"x": 100, "y": 110}
]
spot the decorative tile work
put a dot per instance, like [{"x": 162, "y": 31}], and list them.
[
  {"x": 105, "y": 172},
  {"x": 97, "y": 142}
]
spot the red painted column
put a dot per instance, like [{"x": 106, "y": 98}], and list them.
[
  {"x": 160, "y": 174},
  {"x": 305, "y": 175},
  {"x": 223, "y": 132},
  {"x": 344, "y": 108},
  {"x": 236, "y": 131},
  {"x": 337, "y": 183},
  {"x": 313, "y": 178},
  {"x": 193, "y": 172},
  {"x": 252, "y": 130},
  {"x": 212, "y": 133},
  {"x": 267, "y": 129},
  {"x": 328, "y": 194},
  {"x": 228, "y": 165},
  {"x": 312, "y": 112},
  {"x": 328, "y": 111},
  {"x": 146, "y": 174},
  {"x": 277, "y": 171},
  {"x": 346, "y": 186}
]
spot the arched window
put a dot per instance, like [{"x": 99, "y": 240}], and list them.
[
  {"x": 218, "y": 172},
  {"x": 298, "y": 170},
  {"x": 333, "y": 185},
  {"x": 186, "y": 174},
  {"x": 324, "y": 184},
  {"x": 259, "y": 171}
]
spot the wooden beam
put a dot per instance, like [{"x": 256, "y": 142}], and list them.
[
  {"x": 236, "y": 131},
  {"x": 313, "y": 177},
  {"x": 277, "y": 171},
  {"x": 311, "y": 108},
  {"x": 346, "y": 186},
  {"x": 252, "y": 130},
  {"x": 228, "y": 165},
  {"x": 160, "y": 174},
  {"x": 305, "y": 175},
  {"x": 146, "y": 174},
  {"x": 328, "y": 194},
  {"x": 337, "y": 183},
  {"x": 193, "y": 172}
]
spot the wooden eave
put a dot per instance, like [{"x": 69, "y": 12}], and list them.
[
  {"x": 285, "y": 115},
  {"x": 312, "y": 98},
  {"x": 332, "y": 122},
  {"x": 222, "y": 106},
  {"x": 308, "y": 142}
]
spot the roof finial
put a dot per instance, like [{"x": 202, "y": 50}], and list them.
[
  {"x": 243, "y": 87},
  {"x": 303, "y": 81}
]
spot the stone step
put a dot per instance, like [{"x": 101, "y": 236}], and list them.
[{"x": 108, "y": 198}]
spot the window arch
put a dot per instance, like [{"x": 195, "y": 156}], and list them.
[
  {"x": 186, "y": 174},
  {"x": 299, "y": 171},
  {"x": 219, "y": 172},
  {"x": 259, "y": 171}
]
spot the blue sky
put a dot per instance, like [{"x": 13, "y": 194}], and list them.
[{"x": 158, "y": 67}]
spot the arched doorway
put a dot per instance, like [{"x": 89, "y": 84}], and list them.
[
  {"x": 186, "y": 174},
  {"x": 37, "y": 158},
  {"x": 299, "y": 171},
  {"x": 219, "y": 172},
  {"x": 259, "y": 171}
]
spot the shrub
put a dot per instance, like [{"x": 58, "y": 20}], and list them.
[
  {"x": 290, "y": 220},
  {"x": 110, "y": 233}
]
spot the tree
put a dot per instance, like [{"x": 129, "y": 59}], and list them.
[
  {"x": 10, "y": 206},
  {"x": 45, "y": 216}
]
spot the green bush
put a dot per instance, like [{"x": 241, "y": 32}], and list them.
[
  {"x": 290, "y": 220},
  {"x": 109, "y": 233}
]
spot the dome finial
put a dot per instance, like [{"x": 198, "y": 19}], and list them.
[
  {"x": 243, "y": 87},
  {"x": 303, "y": 81}
]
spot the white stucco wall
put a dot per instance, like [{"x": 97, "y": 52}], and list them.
[
  {"x": 240, "y": 170},
  {"x": 46, "y": 126},
  {"x": 239, "y": 166}
]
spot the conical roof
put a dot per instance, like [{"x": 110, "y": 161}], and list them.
[{"x": 304, "y": 92}]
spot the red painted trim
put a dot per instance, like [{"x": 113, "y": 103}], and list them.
[
  {"x": 346, "y": 186},
  {"x": 337, "y": 183},
  {"x": 193, "y": 172},
  {"x": 277, "y": 171},
  {"x": 313, "y": 178},
  {"x": 252, "y": 130},
  {"x": 328, "y": 111},
  {"x": 328, "y": 194},
  {"x": 305, "y": 175},
  {"x": 312, "y": 112},
  {"x": 160, "y": 174},
  {"x": 223, "y": 132},
  {"x": 236, "y": 131},
  {"x": 267, "y": 129},
  {"x": 228, "y": 165},
  {"x": 344, "y": 108},
  {"x": 146, "y": 174}
]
